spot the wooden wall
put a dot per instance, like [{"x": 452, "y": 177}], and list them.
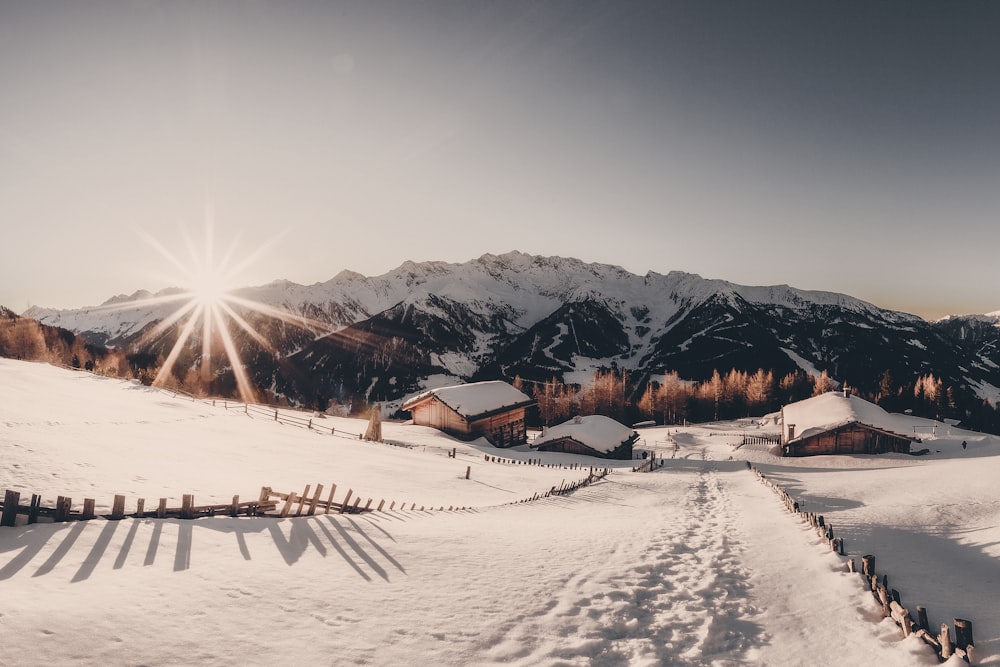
[
  {"x": 850, "y": 439},
  {"x": 502, "y": 430},
  {"x": 571, "y": 446}
]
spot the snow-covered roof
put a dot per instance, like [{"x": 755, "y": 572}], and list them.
[
  {"x": 474, "y": 399},
  {"x": 598, "y": 432},
  {"x": 832, "y": 409}
]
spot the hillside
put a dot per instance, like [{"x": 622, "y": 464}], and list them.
[
  {"x": 697, "y": 563},
  {"x": 499, "y": 316}
]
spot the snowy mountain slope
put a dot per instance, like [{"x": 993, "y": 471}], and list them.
[
  {"x": 697, "y": 563},
  {"x": 503, "y": 315}
]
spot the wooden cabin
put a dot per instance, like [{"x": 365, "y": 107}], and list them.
[
  {"x": 493, "y": 410},
  {"x": 832, "y": 423},
  {"x": 593, "y": 435}
]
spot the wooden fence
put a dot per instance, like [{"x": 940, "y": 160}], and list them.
[
  {"x": 65, "y": 511},
  {"x": 564, "y": 488},
  {"x": 304, "y": 504},
  {"x": 889, "y": 598}
]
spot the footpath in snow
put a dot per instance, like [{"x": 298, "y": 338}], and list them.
[{"x": 696, "y": 563}]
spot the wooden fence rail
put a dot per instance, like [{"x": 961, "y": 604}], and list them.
[
  {"x": 888, "y": 598},
  {"x": 63, "y": 509}
]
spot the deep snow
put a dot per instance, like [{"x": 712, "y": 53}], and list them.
[{"x": 697, "y": 563}]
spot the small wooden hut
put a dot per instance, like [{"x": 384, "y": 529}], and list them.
[
  {"x": 494, "y": 410},
  {"x": 833, "y": 423},
  {"x": 593, "y": 435}
]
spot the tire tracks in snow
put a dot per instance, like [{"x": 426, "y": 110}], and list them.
[{"x": 677, "y": 595}]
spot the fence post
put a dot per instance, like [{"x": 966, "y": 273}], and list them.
[
  {"x": 161, "y": 509},
  {"x": 329, "y": 500},
  {"x": 468, "y": 471},
  {"x": 10, "y": 501},
  {"x": 36, "y": 503},
  {"x": 88, "y": 509},
  {"x": 234, "y": 508},
  {"x": 187, "y": 506},
  {"x": 288, "y": 504},
  {"x": 315, "y": 500},
  {"x": 868, "y": 565},
  {"x": 944, "y": 639},
  {"x": 347, "y": 499},
  {"x": 62, "y": 509},
  {"x": 118, "y": 508},
  {"x": 302, "y": 500},
  {"x": 963, "y": 633},
  {"x": 922, "y": 618}
]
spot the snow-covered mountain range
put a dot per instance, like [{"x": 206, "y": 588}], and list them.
[{"x": 538, "y": 317}]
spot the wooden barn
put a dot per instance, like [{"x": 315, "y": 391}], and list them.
[
  {"x": 832, "y": 423},
  {"x": 593, "y": 435},
  {"x": 493, "y": 410}
]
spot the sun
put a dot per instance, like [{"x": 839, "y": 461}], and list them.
[{"x": 209, "y": 306}]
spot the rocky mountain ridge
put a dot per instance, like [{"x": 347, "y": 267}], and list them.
[{"x": 498, "y": 316}]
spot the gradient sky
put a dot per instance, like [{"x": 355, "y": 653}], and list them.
[{"x": 843, "y": 146}]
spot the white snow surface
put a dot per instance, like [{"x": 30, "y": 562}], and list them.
[
  {"x": 475, "y": 398},
  {"x": 696, "y": 563},
  {"x": 600, "y": 433},
  {"x": 833, "y": 409}
]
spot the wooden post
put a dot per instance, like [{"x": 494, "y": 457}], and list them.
[
  {"x": 302, "y": 500},
  {"x": 944, "y": 639},
  {"x": 381, "y": 504},
  {"x": 140, "y": 508},
  {"x": 161, "y": 509},
  {"x": 234, "y": 508},
  {"x": 288, "y": 504},
  {"x": 963, "y": 633},
  {"x": 315, "y": 500},
  {"x": 62, "y": 509},
  {"x": 118, "y": 508},
  {"x": 868, "y": 565},
  {"x": 392, "y": 505},
  {"x": 187, "y": 506},
  {"x": 88, "y": 509},
  {"x": 357, "y": 501},
  {"x": 36, "y": 504},
  {"x": 347, "y": 499},
  {"x": 922, "y": 618},
  {"x": 329, "y": 500},
  {"x": 10, "y": 502},
  {"x": 468, "y": 471},
  {"x": 265, "y": 494},
  {"x": 368, "y": 504},
  {"x": 851, "y": 567}
]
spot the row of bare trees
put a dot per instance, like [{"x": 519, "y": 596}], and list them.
[{"x": 669, "y": 399}]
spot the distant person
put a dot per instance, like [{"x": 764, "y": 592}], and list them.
[{"x": 963, "y": 444}]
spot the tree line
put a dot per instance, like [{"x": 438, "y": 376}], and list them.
[
  {"x": 665, "y": 399},
  {"x": 670, "y": 399}
]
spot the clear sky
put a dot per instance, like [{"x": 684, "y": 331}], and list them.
[{"x": 843, "y": 146}]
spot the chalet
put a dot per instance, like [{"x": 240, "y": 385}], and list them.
[
  {"x": 593, "y": 435},
  {"x": 833, "y": 423},
  {"x": 494, "y": 410}
]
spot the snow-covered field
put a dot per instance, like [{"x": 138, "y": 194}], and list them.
[{"x": 697, "y": 563}]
